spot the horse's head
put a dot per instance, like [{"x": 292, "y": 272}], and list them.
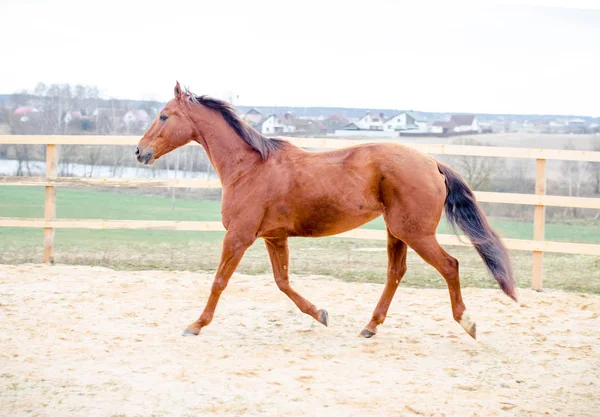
[{"x": 171, "y": 129}]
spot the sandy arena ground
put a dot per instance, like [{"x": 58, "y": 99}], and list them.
[{"x": 83, "y": 341}]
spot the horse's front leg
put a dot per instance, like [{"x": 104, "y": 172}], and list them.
[{"x": 234, "y": 246}]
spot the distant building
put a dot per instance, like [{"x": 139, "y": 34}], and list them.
[
  {"x": 335, "y": 122},
  {"x": 276, "y": 124},
  {"x": 458, "y": 123},
  {"x": 371, "y": 121},
  {"x": 466, "y": 123},
  {"x": 402, "y": 122},
  {"x": 442, "y": 128},
  {"x": 354, "y": 129},
  {"x": 252, "y": 117},
  {"x": 25, "y": 112},
  {"x": 576, "y": 126},
  {"x": 308, "y": 127},
  {"x": 136, "y": 120}
]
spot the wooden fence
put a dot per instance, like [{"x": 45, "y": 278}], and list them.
[{"x": 540, "y": 200}]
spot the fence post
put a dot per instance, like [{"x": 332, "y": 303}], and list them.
[
  {"x": 539, "y": 221},
  {"x": 50, "y": 202}
]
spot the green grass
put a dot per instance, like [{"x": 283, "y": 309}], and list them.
[
  {"x": 70, "y": 204},
  {"x": 28, "y": 202},
  {"x": 155, "y": 249}
]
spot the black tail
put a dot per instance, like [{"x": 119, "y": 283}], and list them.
[{"x": 462, "y": 210}]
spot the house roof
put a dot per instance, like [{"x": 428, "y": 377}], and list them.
[
  {"x": 375, "y": 117},
  {"x": 253, "y": 111},
  {"x": 441, "y": 123},
  {"x": 409, "y": 114},
  {"x": 462, "y": 119},
  {"x": 20, "y": 111},
  {"x": 351, "y": 126},
  {"x": 285, "y": 116},
  {"x": 262, "y": 121},
  {"x": 337, "y": 118}
]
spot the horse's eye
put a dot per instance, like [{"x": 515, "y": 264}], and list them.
[{"x": 163, "y": 117}]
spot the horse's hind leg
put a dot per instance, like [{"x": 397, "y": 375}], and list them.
[
  {"x": 430, "y": 250},
  {"x": 396, "y": 250},
  {"x": 280, "y": 256}
]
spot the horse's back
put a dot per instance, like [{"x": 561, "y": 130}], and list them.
[{"x": 325, "y": 193}]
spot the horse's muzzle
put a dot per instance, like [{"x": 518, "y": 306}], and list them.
[{"x": 144, "y": 157}]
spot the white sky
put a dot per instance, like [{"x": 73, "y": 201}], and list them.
[{"x": 434, "y": 56}]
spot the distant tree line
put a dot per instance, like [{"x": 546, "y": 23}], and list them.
[{"x": 66, "y": 109}]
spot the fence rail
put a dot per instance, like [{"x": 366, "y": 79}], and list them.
[{"x": 540, "y": 200}]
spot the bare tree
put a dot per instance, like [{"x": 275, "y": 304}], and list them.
[
  {"x": 593, "y": 168},
  {"x": 478, "y": 171},
  {"x": 573, "y": 173}
]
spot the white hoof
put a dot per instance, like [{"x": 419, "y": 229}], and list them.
[{"x": 468, "y": 324}]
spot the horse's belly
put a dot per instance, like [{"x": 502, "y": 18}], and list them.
[{"x": 329, "y": 222}]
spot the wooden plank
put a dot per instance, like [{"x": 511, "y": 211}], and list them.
[
  {"x": 482, "y": 196},
  {"x": 71, "y": 140},
  {"x": 539, "y": 221},
  {"x": 538, "y": 199},
  {"x": 514, "y": 244},
  {"x": 113, "y": 224},
  {"x": 50, "y": 203},
  {"x": 506, "y": 152},
  {"x": 330, "y": 143},
  {"x": 110, "y": 182},
  {"x": 530, "y": 245}
]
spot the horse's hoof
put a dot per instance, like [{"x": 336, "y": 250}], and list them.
[
  {"x": 324, "y": 317},
  {"x": 473, "y": 331},
  {"x": 366, "y": 333},
  {"x": 190, "y": 331},
  {"x": 469, "y": 325}
]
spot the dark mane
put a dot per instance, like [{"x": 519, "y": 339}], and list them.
[{"x": 263, "y": 145}]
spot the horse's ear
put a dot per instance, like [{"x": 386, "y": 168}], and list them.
[{"x": 177, "y": 91}]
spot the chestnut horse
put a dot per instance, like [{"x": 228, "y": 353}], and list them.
[{"x": 274, "y": 190}]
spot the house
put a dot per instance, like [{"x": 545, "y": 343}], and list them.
[
  {"x": 136, "y": 120},
  {"x": 371, "y": 121},
  {"x": 77, "y": 121},
  {"x": 335, "y": 122},
  {"x": 458, "y": 124},
  {"x": 576, "y": 126},
  {"x": 442, "y": 128},
  {"x": 403, "y": 121},
  {"x": 252, "y": 117},
  {"x": 25, "y": 112},
  {"x": 277, "y": 124},
  {"x": 74, "y": 115},
  {"x": 370, "y": 125},
  {"x": 354, "y": 129},
  {"x": 308, "y": 127},
  {"x": 466, "y": 123}
]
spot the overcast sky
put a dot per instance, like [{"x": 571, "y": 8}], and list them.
[{"x": 434, "y": 56}]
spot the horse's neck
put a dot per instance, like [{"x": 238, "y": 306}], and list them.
[{"x": 228, "y": 153}]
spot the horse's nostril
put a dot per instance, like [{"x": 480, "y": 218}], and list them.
[{"x": 137, "y": 151}]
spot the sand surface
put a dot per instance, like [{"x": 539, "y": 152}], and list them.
[{"x": 87, "y": 341}]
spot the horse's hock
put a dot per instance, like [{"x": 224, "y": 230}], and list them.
[{"x": 93, "y": 341}]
